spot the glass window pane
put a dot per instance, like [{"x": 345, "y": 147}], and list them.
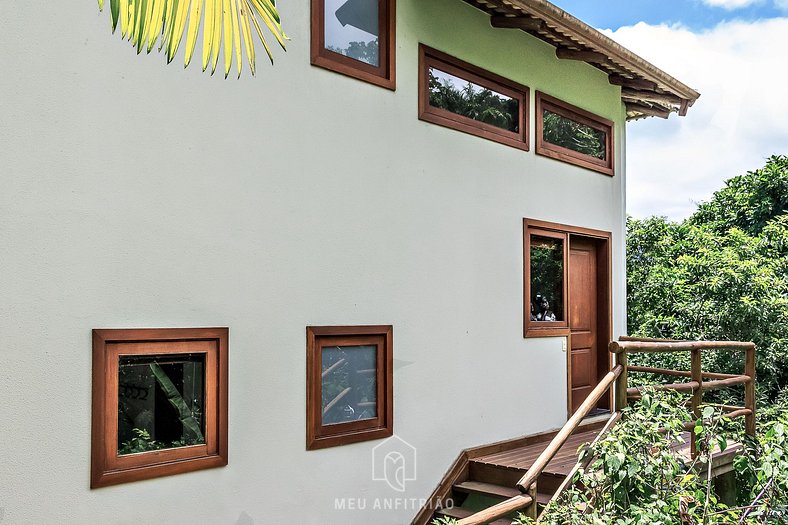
[
  {"x": 465, "y": 98},
  {"x": 547, "y": 279},
  {"x": 349, "y": 384},
  {"x": 352, "y": 28},
  {"x": 567, "y": 133},
  {"x": 160, "y": 402}
]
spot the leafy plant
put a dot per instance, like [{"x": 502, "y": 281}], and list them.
[
  {"x": 720, "y": 274},
  {"x": 226, "y": 23},
  {"x": 176, "y": 400}
]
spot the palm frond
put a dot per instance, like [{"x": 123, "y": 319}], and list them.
[{"x": 225, "y": 23}]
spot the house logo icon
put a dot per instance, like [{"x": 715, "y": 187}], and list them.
[{"x": 394, "y": 461}]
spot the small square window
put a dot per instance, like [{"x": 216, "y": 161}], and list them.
[
  {"x": 349, "y": 384},
  {"x": 159, "y": 402},
  {"x": 573, "y": 135},
  {"x": 461, "y": 96},
  {"x": 355, "y": 38}
]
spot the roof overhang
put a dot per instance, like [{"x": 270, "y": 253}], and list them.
[{"x": 646, "y": 90}]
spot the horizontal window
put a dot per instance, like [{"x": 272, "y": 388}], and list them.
[
  {"x": 461, "y": 96},
  {"x": 573, "y": 135}
]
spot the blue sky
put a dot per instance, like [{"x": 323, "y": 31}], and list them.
[
  {"x": 733, "y": 52},
  {"x": 695, "y": 14}
]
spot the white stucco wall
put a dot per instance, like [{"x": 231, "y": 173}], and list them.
[{"x": 138, "y": 195}]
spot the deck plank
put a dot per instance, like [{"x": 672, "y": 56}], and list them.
[{"x": 523, "y": 457}]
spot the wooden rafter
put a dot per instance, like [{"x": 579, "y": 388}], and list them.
[
  {"x": 593, "y": 57},
  {"x": 618, "y": 80},
  {"x": 650, "y": 96},
  {"x": 651, "y": 111},
  {"x": 517, "y": 22}
]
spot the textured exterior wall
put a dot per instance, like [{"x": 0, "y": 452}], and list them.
[{"x": 138, "y": 195}]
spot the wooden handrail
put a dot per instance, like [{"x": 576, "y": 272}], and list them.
[
  {"x": 638, "y": 347},
  {"x": 677, "y": 373},
  {"x": 528, "y": 481},
  {"x": 569, "y": 428},
  {"x": 700, "y": 381}
]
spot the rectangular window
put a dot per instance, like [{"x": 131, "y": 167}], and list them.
[
  {"x": 355, "y": 38},
  {"x": 545, "y": 282},
  {"x": 349, "y": 384},
  {"x": 159, "y": 402},
  {"x": 461, "y": 96},
  {"x": 570, "y": 134}
]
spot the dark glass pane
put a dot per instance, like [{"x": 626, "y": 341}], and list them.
[
  {"x": 353, "y": 28},
  {"x": 547, "y": 279},
  {"x": 160, "y": 402},
  {"x": 567, "y": 133},
  {"x": 349, "y": 384},
  {"x": 471, "y": 100}
]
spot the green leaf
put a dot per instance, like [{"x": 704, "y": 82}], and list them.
[{"x": 176, "y": 400}]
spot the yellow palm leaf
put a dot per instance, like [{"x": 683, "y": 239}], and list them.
[{"x": 226, "y": 23}]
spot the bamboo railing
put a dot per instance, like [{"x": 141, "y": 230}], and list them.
[
  {"x": 527, "y": 484},
  {"x": 700, "y": 381}
]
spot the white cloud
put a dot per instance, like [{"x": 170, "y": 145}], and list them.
[
  {"x": 781, "y": 4},
  {"x": 731, "y": 4},
  {"x": 739, "y": 121}
]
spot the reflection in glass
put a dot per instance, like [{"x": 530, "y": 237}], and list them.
[
  {"x": 160, "y": 402},
  {"x": 352, "y": 29},
  {"x": 471, "y": 100},
  {"x": 349, "y": 383},
  {"x": 547, "y": 279},
  {"x": 578, "y": 137}
]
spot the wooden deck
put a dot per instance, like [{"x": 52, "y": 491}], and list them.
[{"x": 521, "y": 458}]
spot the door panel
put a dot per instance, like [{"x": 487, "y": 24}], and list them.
[{"x": 583, "y": 320}]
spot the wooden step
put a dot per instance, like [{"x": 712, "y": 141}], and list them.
[
  {"x": 459, "y": 513},
  {"x": 497, "y": 491},
  {"x": 487, "y": 489}
]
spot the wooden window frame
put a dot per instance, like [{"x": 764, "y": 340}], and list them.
[
  {"x": 320, "y": 436},
  {"x": 107, "y": 467},
  {"x": 429, "y": 57},
  {"x": 383, "y": 75},
  {"x": 553, "y": 151},
  {"x": 559, "y": 231},
  {"x": 544, "y": 328}
]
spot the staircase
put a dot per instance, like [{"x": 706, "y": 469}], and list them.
[
  {"x": 492, "y": 484},
  {"x": 485, "y": 476}
]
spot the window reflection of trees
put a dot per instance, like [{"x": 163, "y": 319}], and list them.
[
  {"x": 569, "y": 134},
  {"x": 547, "y": 277},
  {"x": 475, "y": 102},
  {"x": 349, "y": 384}
]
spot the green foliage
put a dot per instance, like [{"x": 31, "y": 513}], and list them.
[
  {"x": 634, "y": 476},
  {"x": 474, "y": 102},
  {"x": 142, "y": 442},
  {"x": 722, "y": 274}
]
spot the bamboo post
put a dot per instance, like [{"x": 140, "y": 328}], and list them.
[
  {"x": 532, "y": 510},
  {"x": 697, "y": 396},
  {"x": 620, "y": 398},
  {"x": 749, "y": 390}
]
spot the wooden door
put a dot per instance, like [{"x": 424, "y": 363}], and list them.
[{"x": 583, "y": 318}]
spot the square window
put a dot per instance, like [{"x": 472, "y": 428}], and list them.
[
  {"x": 159, "y": 402},
  {"x": 573, "y": 135},
  {"x": 355, "y": 38},
  {"x": 349, "y": 384},
  {"x": 461, "y": 96}
]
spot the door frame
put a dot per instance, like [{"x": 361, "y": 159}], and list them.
[{"x": 604, "y": 242}]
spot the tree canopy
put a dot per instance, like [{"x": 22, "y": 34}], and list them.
[{"x": 720, "y": 274}]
